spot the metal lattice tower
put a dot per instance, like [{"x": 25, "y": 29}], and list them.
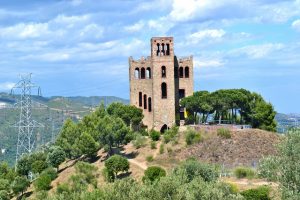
[{"x": 26, "y": 125}]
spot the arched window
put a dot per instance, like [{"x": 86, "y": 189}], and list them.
[
  {"x": 168, "y": 50},
  {"x": 137, "y": 73},
  {"x": 143, "y": 73},
  {"x": 145, "y": 101},
  {"x": 187, "y": 72},
  {"x": 180, "y": 72},
  {"x": 140, "y": 99},
  {"x": 175, "y": 72},
  {"x": 164, "y": 90},
  {"x": 163, "y": 51},
  {"x": 148, "y": 73},
  {"x": 149, "y": 104},
  {"x": 158, "y": 49},
  {"x": 163, "y": 72}
]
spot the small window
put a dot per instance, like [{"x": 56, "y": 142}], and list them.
[
  {"x": 181, "y": 93},
  {"x": 158, "y": 49},
  {"x": 163, "y": 90},
  {"x": 137, "y": 73},
  {"x": 149, "y": 104},
  {"x": 143, "y": 73},
  {"x": 180, "y": 72},
  {"x": 163, "y": 51},
  {"x": 187, "y": 72},
  {"x": 168, "y": 50},
  {"x": 163, "y": 72},
  {"x": 140, "y": 99},
  {"x": 148, "y": 73},
  {"x": 145, "y": 101}
]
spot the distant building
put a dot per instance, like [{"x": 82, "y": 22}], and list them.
[{"x": 158, "y": 82}]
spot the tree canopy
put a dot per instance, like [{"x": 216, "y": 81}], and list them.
[{"x": 237, "y": 106}]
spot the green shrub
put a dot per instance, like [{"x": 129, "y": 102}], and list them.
[
  {"x": 233, "y": 188},
  {"x": 153, "y": 173},
  {"x": 108, "y": 175},
  {"x": 153, "y": 145},
  {"x": 161, "y": 148},
  {"x": 42, "y": 182},
  {"x": 51, "y": 172},
  {"x": 244, "y": 172},
  {"x": 192, "y": 137},
  {"x": 149, "y": 158},
  {"x": 116, "y": 164},
  {"x": 155, "y": 135},
  {"x": 143, "y": 132},
  {"x": 4, "y": 195},
  {"x": 268, "y": 168},
  {"x": 260, "y": 193},
  {"x": 193, "y": 168},
  {"x": 171, "y": 134},
  {"x": 63, "y": 188},
  {"x": 224, "y": 133},
  {"x": 139, "y": 141}
]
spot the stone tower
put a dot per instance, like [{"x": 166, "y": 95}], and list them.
[{"x": 158, "y": 82}]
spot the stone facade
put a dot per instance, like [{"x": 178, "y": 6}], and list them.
[{"x": 158, "y": 82}]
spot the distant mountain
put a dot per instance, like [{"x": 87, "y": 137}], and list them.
[
  {"x": 60, "y": 108},
  {"x": 287, "y": 121}
]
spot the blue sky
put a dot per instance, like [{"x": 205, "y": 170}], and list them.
[{"x": 81, "y": 47}]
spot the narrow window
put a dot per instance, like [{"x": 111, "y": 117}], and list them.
[
  {"x": 187, "y": 72},
  {"x": 140, "y": 99},
  {"x": 143, "y": 73},
  {"x": 163, "y": 90},
  {"x": 163, "y": 72},
  {"x": 175, "y": 72},
  {"x": 149, "y": 104},
  {"x": 137, "y": 73},
  {"x": 180, "y": 72},
  {"x": 145, "y": 101},
  {"x": 181, "y": 93},
  {"x": 168, "y": 49},
  {"x": 148, "y": 73},
  {"x": 158, "y": 49},
  {"x": 163, "y": 51}
]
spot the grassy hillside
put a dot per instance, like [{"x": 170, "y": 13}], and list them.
[{"x": 60, "y": 108}]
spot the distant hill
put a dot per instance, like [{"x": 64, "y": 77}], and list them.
[
  {"x": 60, "y": 108},
  {"x": 287, "y": 121}
]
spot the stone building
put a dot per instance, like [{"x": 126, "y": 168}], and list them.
[{"x": 158, "y": 82}]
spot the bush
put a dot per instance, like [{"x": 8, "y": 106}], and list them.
[
  {"x": 233, "y": 188},
  {"x": 149, "y": 158},
  {"x": 42, "y": 182},
  {"x": 108, "y": 175},
  {"x": 4, "y": 195},
  {"x": 244, "y": 172},
  {"x": 63, "y": 188},
  {"x": 194, "y": 168},
  {"x": 224, "y": 133},
  {"x": 153, "y": 173},
  {"x": 161, "y": 148},
  {"x": 171, "y": 134},
  {"x": 192, "y": 137},
  {"x": 155, "y": 135},
  {"x": 268, "y": 168},
  {"x": 153, "y": 145},
  {"x": 139, "y": 141},
  {"x": 50, "y": 172},
  {"x": 260, "y": 193}
]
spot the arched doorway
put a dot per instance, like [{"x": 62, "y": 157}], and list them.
[{"x": 164, "y": 128}]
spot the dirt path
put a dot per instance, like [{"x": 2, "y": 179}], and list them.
[
  {"x": 141, "y": 165},
  {"x": 157, "y": 149}
]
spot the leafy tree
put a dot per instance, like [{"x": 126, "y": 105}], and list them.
[
  {"x": 285, "y": 167},
  {"x": 24, "y": 165},
  {"x": 86, "y": 145},
  {"x": 42, "y": 182},
  {"x": 116, "y": 164},
  {"x": 20, "y": 184},
  {"x": 56, "y": 156},
  {"x": 50, "y": 172},
  {"x": 4, "y": 195},
  {"x": 131, "y": 115},
  {"x": 153, "y": 173},
  {"x": 4, "y": 184},
  {"x": 67, "y": 137},
  {"x": 38, "y": 166}
]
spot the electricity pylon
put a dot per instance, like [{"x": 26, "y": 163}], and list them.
[{"x": 26, "y": 125}]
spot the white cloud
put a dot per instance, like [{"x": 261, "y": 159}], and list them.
[
  {"x": 24, "y": 31},
  {"x": 208, "y": 63},
  {"x": 135, "y": 27},
  {"x": 6, "y": 86},
  {"x": 258, "y": 51},
  {"x": 206, "y": 34},
  {"x": 296, "y": 25}
]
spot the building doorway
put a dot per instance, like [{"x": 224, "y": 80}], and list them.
[{"x": 164, "y": 128}]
